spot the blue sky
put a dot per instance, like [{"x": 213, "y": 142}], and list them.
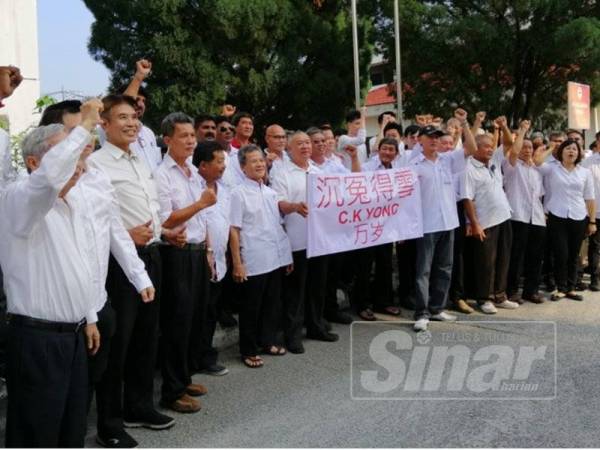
[{"x": 63, "y": 35}]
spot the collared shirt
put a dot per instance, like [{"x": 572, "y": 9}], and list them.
[
  {"x": 46, "y": 273},
  {"x": 438, "y": 189},
  {"x": 134, "y": 186},
  {"x": 402, "y": 159},
  {"x": 593, "y": 164},
  {"x": 104, "y": 233},
  {"x": 177, "y": 190},
  {"x": 233, "y": 174},
  {"x": 144, "y": 146},
  {"x": 524, "y": 189},
  {"x": 568, "y": 190},
  {"x": 264, "y": 244},
  {"x": 218, "y": 227},
  {"x": 331, "y": 165},
  {"x": 358, "y": 141},
  {"x": 290, "y": 185},
  {"x": 483, "y": 185}
]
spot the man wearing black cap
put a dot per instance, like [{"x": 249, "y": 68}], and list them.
[{"x": 438, "y": 197}]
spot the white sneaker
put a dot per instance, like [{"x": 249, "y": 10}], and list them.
[
  {"x": 507, "y": 304},
  {"x": 421, "y": 324},
  {"x": 444, "y": 317},
  {"x": 488, "y": 308}
]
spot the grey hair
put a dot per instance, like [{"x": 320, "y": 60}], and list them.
[
  {"x": 167, "y": 127},
  {"x": 313, "y": 130},
  {"x": 243, "y": 153},
  {"x": 36, "y": 142}
]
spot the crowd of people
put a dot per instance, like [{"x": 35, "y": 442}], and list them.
[{"x": 123, "y": 252}]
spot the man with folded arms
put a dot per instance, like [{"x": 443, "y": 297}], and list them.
[
  {"x": 125, "y": 393},
  {"x": 187, "y": 270},
  {"x": 50, "y": 290}
]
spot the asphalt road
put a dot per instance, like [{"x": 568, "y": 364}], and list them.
[{"x": 306, "y": 400}]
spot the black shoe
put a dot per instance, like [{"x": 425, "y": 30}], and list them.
[
  {"x": 295, "y": 348},
  {"x": 581, "y": 286},
  {"x": 340, "y": 317},
  {"x": 216, "y": 370},
  {"x": 121, "y": 440},
  {"x": 574, "y": 296},
  {"x": 324, "y": 336},
  {"x": 327, "y": 325},
  {"x": 533, "y": 298},
  {"x": 594, "y": 286},
  {"x": 226, "y": 320},
  {"x": 151, "y": 419}
]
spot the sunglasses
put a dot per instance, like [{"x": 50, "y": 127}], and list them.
[{"x": 226, "y": 129}]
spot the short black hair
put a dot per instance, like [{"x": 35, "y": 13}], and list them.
[
  {"x": 389, "y": 141},
  {"x": 241, "y": 115},
  {"x": 221, "y": 119},
  {"x": 571, "y": 130},
  {"x": 205, "y": 152},
  {"x": 200, "y": 118},
  {"x": 142, "y": 92},
  {"x": 353, "y": 115},
  {"x": 561, "y": 147},
  {"x": 54, "y": 113},
  {"x": 112, "y": 100},
  {"x": 411, "y": 129},
  {"x": 389, "y": 113},
  {"x": 393, "y": 126}
]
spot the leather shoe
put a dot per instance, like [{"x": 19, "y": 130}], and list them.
[
  {"x": 120, "y": 440},
  {"x": 463, "y": 307},
  {"x": 185, "y": 404},
  {"x": 533, "y": 298},
  {"x": 324, "y": 336},
  {"x": 295, "y": 348},
  {"x": 594, "y": 286},
  {"x": 196, "y": 390},
  {"x": 339, "y": 317}
]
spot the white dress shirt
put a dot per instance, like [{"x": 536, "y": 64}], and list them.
[
  {"x": 592, "y": 163},
  {"x": 218, "y": 216},
  {"x": 438, "y": 189},
  {"x": 483, "y": 185},
  {"x": 104, "y": 233},
  {"x": 290, "y": 185},
  {"x": 233, "y": 174},
  {"x": 144, "y": 146},
  {"x": 358, "y": 141},
  {"x": 264, "y": 244},
  {"x": 402, "y": 159},
  {"x": 176, "y": 191},
  {"x": 568, "y": 190},
  {"x": 46, "y": 274},
  {"x": 524, "y": 189},
  {"x": 332, "y": 165},
  {"x": 134, "y": 186}
]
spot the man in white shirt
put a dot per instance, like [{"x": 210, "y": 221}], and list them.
[
  {"x": 488, "y": 212},
  {"x": 357, "y": 134},
  {"x": 436, "y": 172},
  {"x": 290, "y": 185},
  {"x": 126, "y": 390},
  {"x": 276, "y": 140},
  {"x": 209, "y": 157},
  {"x": 593, "y": 163},
  {"x": 187, "y": 266},
  {"x": 50, "y": 291},
  {"x": 524, "y": 189}
]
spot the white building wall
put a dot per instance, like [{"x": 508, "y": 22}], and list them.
[{"x": 19, "y": 47}]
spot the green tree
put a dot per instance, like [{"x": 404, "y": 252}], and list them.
[
  {"x": 510, "y": 57},
  {"x": 286, "y": 60}
]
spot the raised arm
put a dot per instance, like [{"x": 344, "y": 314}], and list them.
[
  {"x": 469, "y": 145},
  {"x": 507, "y": 139},
  {"x": 515, "y": 148},
  {"x": 479, "y": 119},
  {"x": 143, "y": 67}
]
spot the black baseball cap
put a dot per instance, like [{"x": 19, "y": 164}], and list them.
[{"x": 431, "y": 131}]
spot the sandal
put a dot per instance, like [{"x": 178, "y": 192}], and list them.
[
  {"x": 557, "y": 296},
  {"x": 574, "y": 296},
  {"x": 275, "y": 350},
  {"x": 254, "y": 362},
  {"x": 391, "y": 310},
  {"x": 367, "y": 314}
]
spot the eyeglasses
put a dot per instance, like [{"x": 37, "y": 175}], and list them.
[{"x": 226, "y": 129}]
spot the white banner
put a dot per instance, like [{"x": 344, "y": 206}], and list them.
[{"x": 363, "y": 209}]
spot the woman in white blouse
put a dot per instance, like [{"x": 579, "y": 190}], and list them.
[{"x": 569, "y": 200}]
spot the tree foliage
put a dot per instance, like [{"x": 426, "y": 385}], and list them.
[
  {"x": 510, "y": 57},
  {"x": 288, "y": 61}
]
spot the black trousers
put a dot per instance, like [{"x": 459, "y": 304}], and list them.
[
  {"x": 47, "y": 381},
  {"x": 127, "y": 386},
  {"x": 566, "y": 236},
  {"x": 380, "y": 292},
  {"x": 98, "y": 363},
  {"x": 335, "y": 267},
  {"x": 294, "y": 290},
  {"x": 206, "y": 354},
  {"x": 457, "y": 286},
  {"x": 489, "y": 262},
  {"x": 594, "y": 255},
  {"x": 406, "y": 259},
  {"x": 316, "y": 295},
  {"x": 183, "y": 315},
  {"x": 526, "y": 253},
  {"x": 260, "y": 312}
]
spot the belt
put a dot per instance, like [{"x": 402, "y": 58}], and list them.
[
  {"x": 40, "y": 324},
  {"x": 147, "y": 248},
  {"x": 196, "y": 247}
]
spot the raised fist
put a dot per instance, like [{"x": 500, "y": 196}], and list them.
[
  {"x": 143, "y": 67},
  {"x": 90, "y": 113}
]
